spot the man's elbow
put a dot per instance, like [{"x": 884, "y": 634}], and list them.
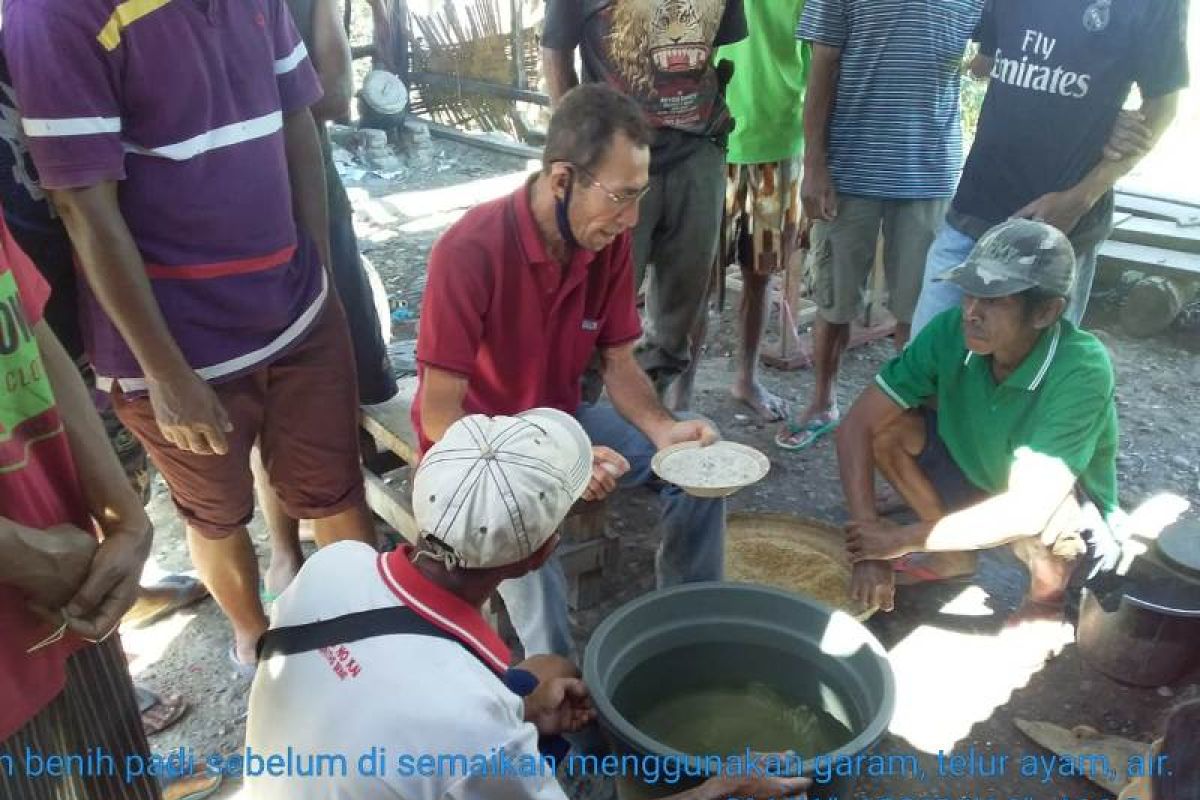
[{"x": 86, "y": 207}]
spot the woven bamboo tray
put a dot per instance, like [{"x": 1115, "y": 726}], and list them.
[{"x": 796, "y": 554}]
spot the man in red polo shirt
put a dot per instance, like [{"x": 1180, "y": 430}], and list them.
[{"x": 523, "y": 293}]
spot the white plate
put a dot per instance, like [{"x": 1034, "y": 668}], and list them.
[{"x": 717, "y": 470}]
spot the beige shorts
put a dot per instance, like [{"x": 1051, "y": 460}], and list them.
[
  {"x": 843, "y": 253},
  {"x": 762, "y": 214}
]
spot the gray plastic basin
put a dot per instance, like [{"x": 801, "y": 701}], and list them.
[{"x": 703, "y": 634}]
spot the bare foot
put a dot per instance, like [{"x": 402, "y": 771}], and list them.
[{"x": 769, "y": 407}]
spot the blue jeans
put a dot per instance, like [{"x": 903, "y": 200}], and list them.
[
  {"x": 691, "y": 546},
  {"x": 951, "y": 248}
]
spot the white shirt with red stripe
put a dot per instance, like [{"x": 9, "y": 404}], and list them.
[{"x": 407, "y": 696}]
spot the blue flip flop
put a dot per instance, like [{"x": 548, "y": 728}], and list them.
[{"x": 801, "y": 437}]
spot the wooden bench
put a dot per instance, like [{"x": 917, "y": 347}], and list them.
[
  {"x": 589, "y": 552},
  {"x": 1159, "y": 240}
]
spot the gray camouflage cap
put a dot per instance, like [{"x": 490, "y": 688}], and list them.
[{"x": 1014, "y": 256}]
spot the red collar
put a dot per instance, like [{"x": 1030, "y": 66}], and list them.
[{"x": 449, "y": 612}]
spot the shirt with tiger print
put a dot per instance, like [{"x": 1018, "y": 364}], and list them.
[{"x": 659, "y": 52}]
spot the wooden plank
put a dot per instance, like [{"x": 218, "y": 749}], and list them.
[
  {"x": 443, "y": 80},
  {"x": 579, "y": 558},
  {"x": 390, "y": 423},
  {"x": 392, "y": 505},
  {"x": 1154, "y": 260},
  {"x": 587, "y": 590},
  {"x": 1177, "y": 199},
  {"x": 485, "y": 142},
  {"x": 588, "y": 567},
  {"x": 585, "y": 521},
  {"x": 1158, "y": 233},
  {"x": 1158, "y": 209}
]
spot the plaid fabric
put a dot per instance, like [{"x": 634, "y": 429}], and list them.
[{"x": 95, "y": 710}]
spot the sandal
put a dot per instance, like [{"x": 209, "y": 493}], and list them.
[
  {"x": 801, "y": 437},
  {"x": 155, "y": 603},
  {"x": 159, "y": 712},
  {"x": 241, "y": 669},
  {"x": 920, "y": 568},
  {"x": 196, "y": 786}
]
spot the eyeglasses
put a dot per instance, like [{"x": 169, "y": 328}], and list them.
[{"x": 619, "y": 200}]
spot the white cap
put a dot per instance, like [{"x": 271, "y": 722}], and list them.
[{"x": 495, "y": 489}]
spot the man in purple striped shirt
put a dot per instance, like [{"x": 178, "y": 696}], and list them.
[{"x": 176, "y": 141}]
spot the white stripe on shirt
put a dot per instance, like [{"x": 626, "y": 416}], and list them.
[
  {"x": 290, "y": 62},
  {"x": 241, "y": 363},
  {"x": 71, "y": 126},
  {"x": 226, "y": 135}
]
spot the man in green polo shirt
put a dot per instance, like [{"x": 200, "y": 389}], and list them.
[{"x": 997, "y": 426}]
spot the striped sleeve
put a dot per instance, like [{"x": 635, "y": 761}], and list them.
[
  {"x": 299, "y": 86},
  {"x": 66, "y": 87},
  {"x": 824, "y": 22}
]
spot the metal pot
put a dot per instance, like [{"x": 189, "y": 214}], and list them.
[{"x": 1145, "y": 629}]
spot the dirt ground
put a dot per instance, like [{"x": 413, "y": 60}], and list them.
[{"x": 1158, "y": 381}]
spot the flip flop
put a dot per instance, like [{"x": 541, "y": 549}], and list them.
[
  {"x": 801, "y": 437},
  {"x": 196, "y": 786},
  {"x": 241, "y": 670},
  {"x": 172, "y": 593},
  {"x": 913, "y": 571},
  {"x": 158, "y": 712},
  {"x": 266, "y": 597}
]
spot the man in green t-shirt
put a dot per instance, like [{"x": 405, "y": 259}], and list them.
[
  {"x": 997, "y": 425},
  {"x": 762, "y": 192}
]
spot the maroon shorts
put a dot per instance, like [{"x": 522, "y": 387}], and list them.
[{"x": 302, "y": 409}]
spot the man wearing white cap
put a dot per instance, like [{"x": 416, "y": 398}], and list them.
[{"x": 394, "y": 685}]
